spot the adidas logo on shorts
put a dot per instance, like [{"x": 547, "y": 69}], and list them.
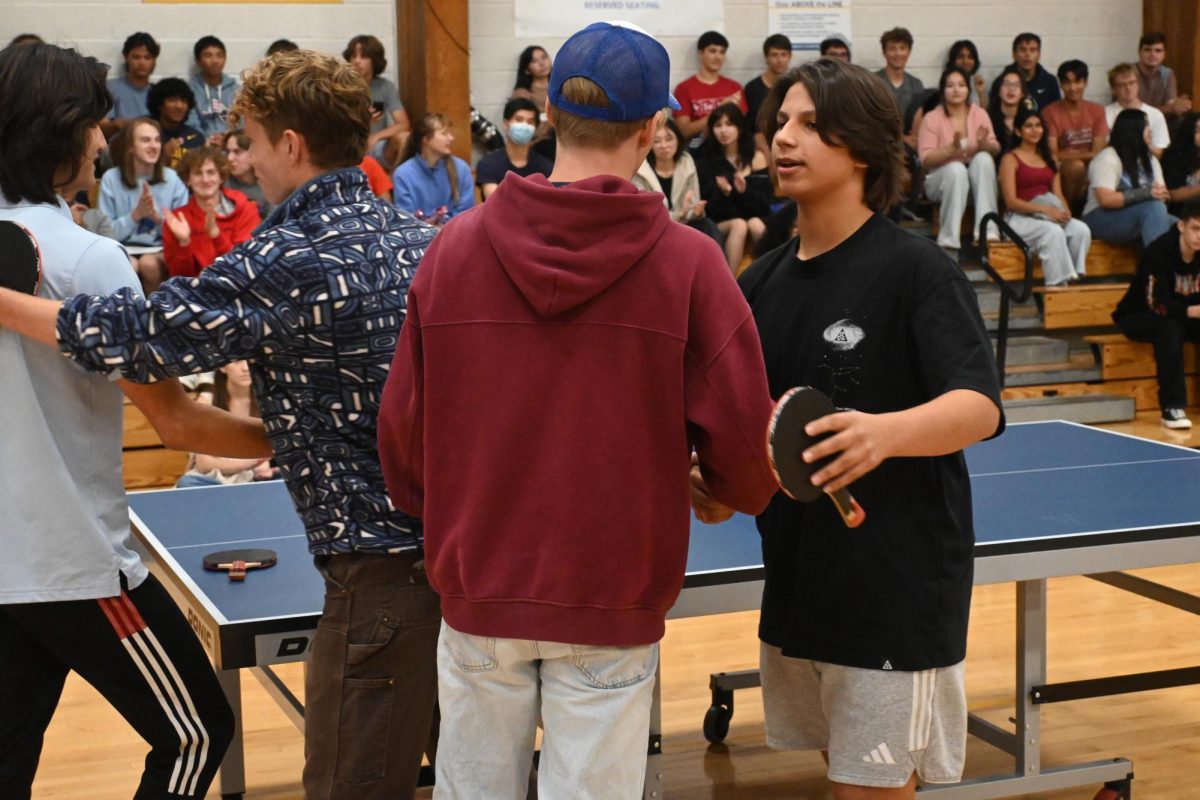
[{"x": 880, "y": 755}]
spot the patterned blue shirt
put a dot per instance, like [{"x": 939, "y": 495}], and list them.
[{"x": 314, "y": 301}]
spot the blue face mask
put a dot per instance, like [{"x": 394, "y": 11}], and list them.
[{"x": 520, "y": 132}]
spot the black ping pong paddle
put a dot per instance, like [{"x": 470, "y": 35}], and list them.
[
  {"x": 787, "y": 441},
  {"x": 237, "y": 562},
  {"x": 20, "y": 258}
]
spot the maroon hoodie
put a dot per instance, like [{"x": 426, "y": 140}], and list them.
[{"x": 564, "y": 350}]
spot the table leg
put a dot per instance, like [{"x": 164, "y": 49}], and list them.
[
  {"x": 1031, "y": 671},
  {"x": 653, "y": 788},
  {"x": 232, "y": 775}
]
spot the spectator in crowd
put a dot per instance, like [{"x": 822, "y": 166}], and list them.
[
  {"x": 533, "y": 76},
  {"x": 212, "y": 89},
  {"x": 91, "y": 219},
  {"x": 734, "y": 182},
  {"x": 1037, "y": 210},
  {"x": 700, "y": 94},
  {"x": 1181, "y": 161},
  {"x": 520, "y": 125},
  {"x": 964, "y": 54},
  {"x": 835, "y": 47},
  {"x": 1156, "y": 81},
  {"x": 897, "y": 46},
  {"x": 957, "y": 145},
  {"x": 431, "y": 182},
  {"x": 1162, "y": 306},
  {"x": 26, "y": 38},
  {"x": 670, "y": 169},
  {"x": 1076, "y": 130},
  {"x": 777, "y": 53},
  {"x": 1040, "y": 85},
  {"x": 389, "y": 121},
  {"x": 214, "y": 219},
  {"x": 280, "y": 45},
  {"x": 171, "y": 102},
  {"x": 135, "y": 192},
  {"x": 130, "y": 90},
  {"x": 1127, "y": 199},
  {"x": 1123, "y": 81},
  {"x": 241, "y": 173},
  {"x": 377, "y": 178},
  {"x": 1008, "y": 96},
  {"x": 230, "y": 391}
]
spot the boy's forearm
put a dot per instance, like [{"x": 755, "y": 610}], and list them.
[
  {"x": 33, "y": 317},
  {"x": 946, "y": 424},
  {"x": 215, "y": 432}
]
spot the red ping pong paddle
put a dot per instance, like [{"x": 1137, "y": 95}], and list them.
[
  {"x": 787, "y": 441},
  {"x": 20, "y": 258},
  {"x": 238, "y": 562}
]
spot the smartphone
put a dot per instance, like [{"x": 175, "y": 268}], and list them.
[{"x": 378, "y": 106}]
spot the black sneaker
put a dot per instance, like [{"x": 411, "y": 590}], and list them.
[{"x": 1175, "y": 418}]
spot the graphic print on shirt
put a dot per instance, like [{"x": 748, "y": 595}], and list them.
[{"x": 840, "y": 358}]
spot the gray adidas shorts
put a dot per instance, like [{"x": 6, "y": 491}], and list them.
[{"x": 878, "y": 726}]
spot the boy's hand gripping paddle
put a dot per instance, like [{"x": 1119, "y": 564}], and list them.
[
  {"x": 20, "y": 258},
  {"x": 237, "y": 562},
  {"x": 787, "y": 441}
]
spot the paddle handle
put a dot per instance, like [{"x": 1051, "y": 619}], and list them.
[
  {"x": 237, "y": 571},
  {"x": 852, "y": 513}
]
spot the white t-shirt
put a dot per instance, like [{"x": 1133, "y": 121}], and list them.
[
  {"x": 1160, "y": 135},
  {"x": 66, "y": 534},
  {"x": 1106, "y": 171}
]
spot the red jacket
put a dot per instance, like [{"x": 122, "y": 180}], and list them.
[
  {"x": 564, "y": 349},
  {"x": 203, "y": 250}
]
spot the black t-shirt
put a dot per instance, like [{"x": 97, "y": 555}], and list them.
[
  {"x": 666, "y": 184},
  {"x": 1164, "y": 284},
  {"x": 756, "y": 92},
  {"x": 883, "y": 322},
  {"x": 495, "y": 165}
]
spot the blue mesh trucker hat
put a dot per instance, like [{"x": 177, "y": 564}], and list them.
[{"x": 630, "y": 66}]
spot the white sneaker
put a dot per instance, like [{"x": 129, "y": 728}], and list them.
[{"x": 1175, "y": 418}]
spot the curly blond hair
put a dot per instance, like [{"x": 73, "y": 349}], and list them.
[{"x": 318, "y": 96}]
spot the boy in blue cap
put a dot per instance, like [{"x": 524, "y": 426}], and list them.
[{"x": 608, "y": 342}]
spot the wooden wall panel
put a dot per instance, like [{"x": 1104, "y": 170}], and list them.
[
  {"x": 432, "y": 42},
  {"x": 1177, "y": 19}
]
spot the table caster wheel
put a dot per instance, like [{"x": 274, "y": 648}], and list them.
[{"x": 716, "y": 723}]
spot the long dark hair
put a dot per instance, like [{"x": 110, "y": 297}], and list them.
[
  {"x": 50, "y": 99},
  {"x": 994, "y": 92},
  {"x": 1129, "y": 141},
  {"x": 957, "y": 48},
  {"x": 1043, "y": 144},
  {"x": 745, "y": 142},
  {"x": 946, "y": 73},
  {"x": 221, "y": 394},
  {"x": 680, "y": 144},
  {"x": 426, "y": 127},
  {"x": 524, "y": 79},
  {"x": 1182, "y": 154}
]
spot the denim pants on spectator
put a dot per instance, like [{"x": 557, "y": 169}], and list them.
[
  {"x": 1167, "y": 334},
  {"x": 371, "y": 685},
  {"x": 951, "y": 184},
  {"x": 1148, "y": 220},
  {"x": 593, "y": 702}
]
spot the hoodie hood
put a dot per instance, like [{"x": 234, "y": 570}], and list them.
[{"x": 562, "y": 246}]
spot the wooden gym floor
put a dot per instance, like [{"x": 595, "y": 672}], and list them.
[{"x": 1095, "y": 630}]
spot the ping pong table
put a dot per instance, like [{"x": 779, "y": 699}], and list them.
[{"x": 1050, "y": 499}]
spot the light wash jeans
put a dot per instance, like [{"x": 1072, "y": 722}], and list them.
[
  {"x": 1148, "y": 219},
  {"x": 593, "y": 702},
  {"x": 1063, "y": 249},
  {"x": 951, "y": 184}
]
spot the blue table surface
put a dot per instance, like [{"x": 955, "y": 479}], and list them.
[{"x": 1036, "y": 482}]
